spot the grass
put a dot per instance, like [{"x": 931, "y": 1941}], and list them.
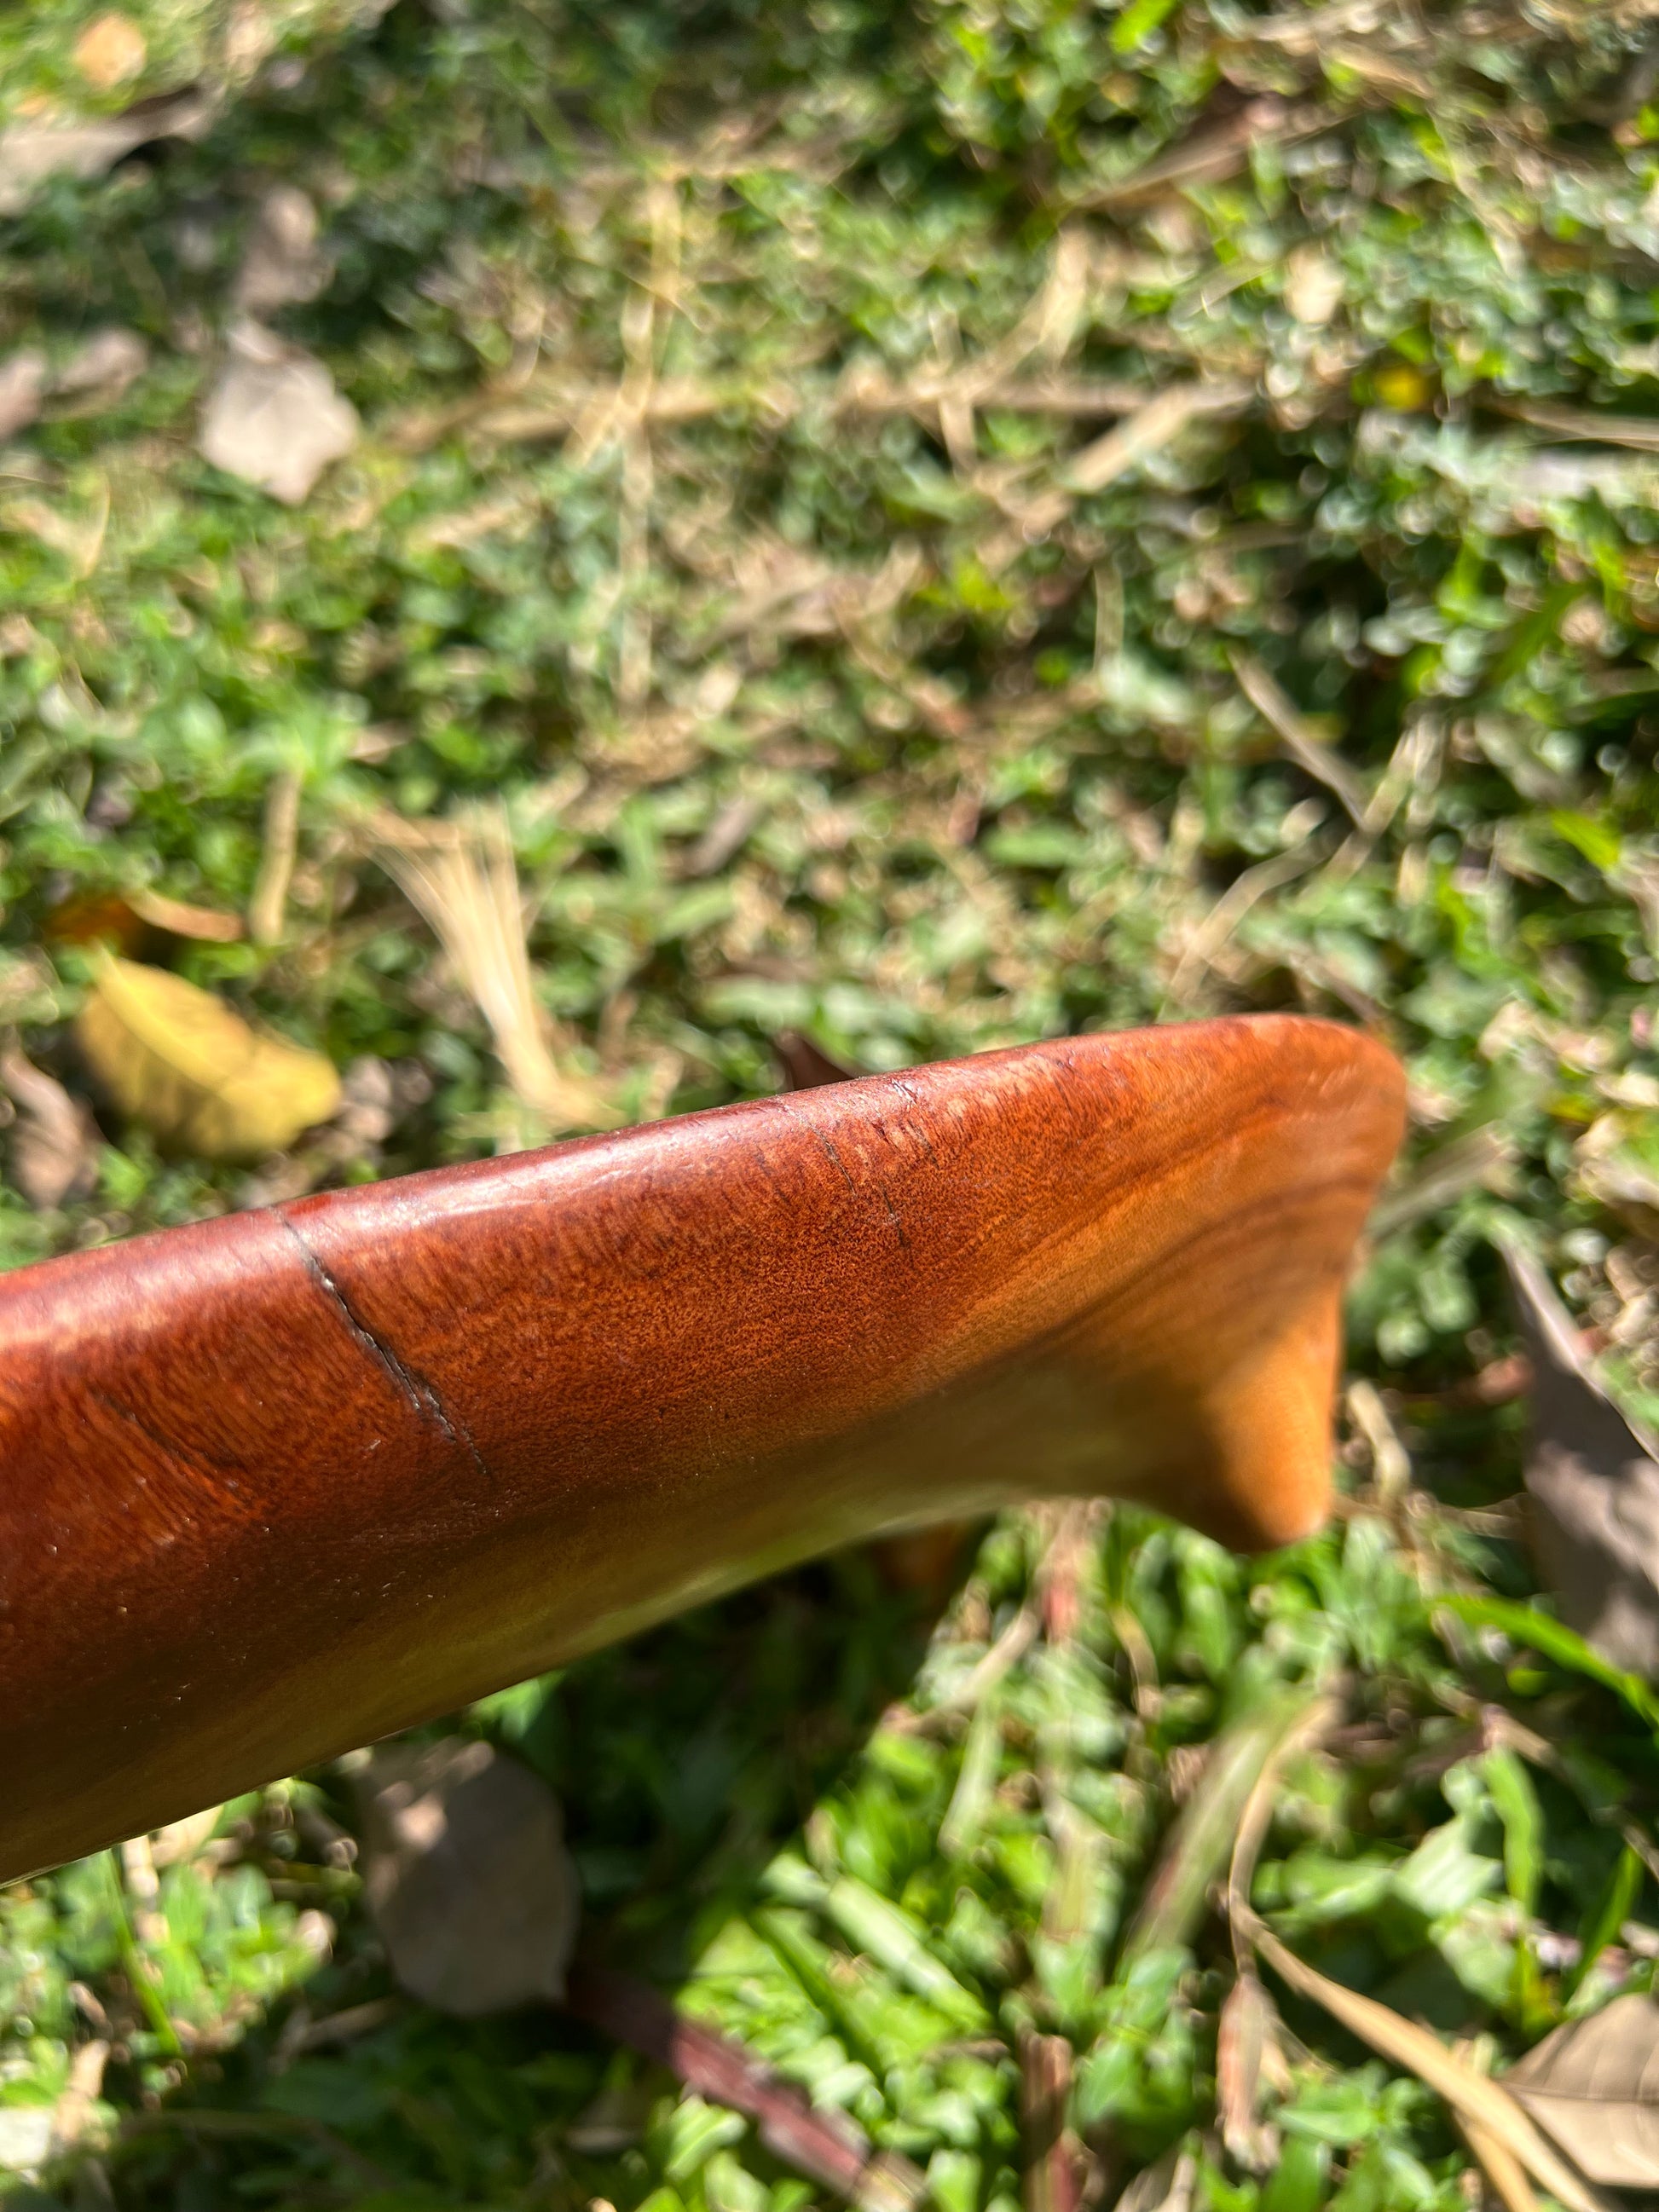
[{"x": 743, "y": 506}]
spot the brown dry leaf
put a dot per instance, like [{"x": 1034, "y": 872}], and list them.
[
  {"x": 1594, "y": 1480},
  {"x": 467, "y": 1876},
  {"x": 100, "y": 368},
  {"x": 189, "y": 1067},
  {"x": 22, "y": 386},
  {"x": 37, "y": 147},
  {"x": 1595, "y": 2085},
  {"x": 1472, "y": 2095},
  {"x": 111, "y": 51},
  {"x": 282, "y": 263},
  {"x": 54, "y": 1140},
  {"x": 273, "y": 417},
  {"x": 462, "y": 877}
]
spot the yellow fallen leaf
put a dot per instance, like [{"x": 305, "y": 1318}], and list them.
[
  {"x": 182, "y": 1062},
  {"x": 1401, "y": 388}
]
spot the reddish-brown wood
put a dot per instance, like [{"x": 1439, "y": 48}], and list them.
[{"x": 278, "y": 1483}]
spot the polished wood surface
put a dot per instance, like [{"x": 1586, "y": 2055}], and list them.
[{"x": 278, "y": 1483}]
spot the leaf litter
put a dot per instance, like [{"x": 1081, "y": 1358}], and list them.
[
  {"x": 1594, "y": 2083},
  {"x": 1594, "y": 1481},
  {"x": 54, "y": 1139},
  {"x": 273, "y": 416},
  {"x": 466, "y": 1877},
  {"x": 184, "y": 1064}
]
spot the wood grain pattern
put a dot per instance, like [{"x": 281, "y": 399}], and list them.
[{"x": 278, "y": 1483}]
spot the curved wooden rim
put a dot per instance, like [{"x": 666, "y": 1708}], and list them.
[{"x": 279, "y": 1483}]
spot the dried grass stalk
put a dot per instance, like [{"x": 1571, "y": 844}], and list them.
[
  {"x": 267, "y": 908},
  {"x": 1496, "y": 2115},
  {"x": 461, "y": 878}
]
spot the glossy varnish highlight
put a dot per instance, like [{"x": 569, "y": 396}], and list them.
[{"x": 278, "y": 1483}]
